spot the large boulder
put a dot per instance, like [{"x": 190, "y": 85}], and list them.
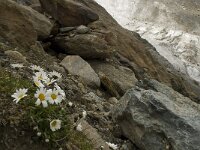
[
  {"x": 75, "y": 65},
  {"x": 22, "y": 26},
  {"x": 159, "y": 118},
  {"x": 130, "y": 45},
  {"x": 88, "y": 46},
  {"x": 115, "y": 78},
  {"x": 69, "y": 12}
]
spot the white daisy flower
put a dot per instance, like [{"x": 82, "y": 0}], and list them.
[
  {"x": 55, "y": 75},
  {"x": 79, "y": 127},
  {"x": 84, "y": 114},
  {"x": 19, "y": 94},
  {"x": 41, "y": 75},
  {"x": 17, "y": 65},
  {"x": 37, "y": 82},
  {"x": 35, "y": 128},
  {"x": 39, "y": 134},
  {"x": 60, "y": 90},
  {"x": 112, "y": 146},
  {"x": 36, "y": 68},
  {"x": 70, "y": 104},
  {"x": 53, "y": 96},
  {"x": 55, "y": 124},
  {"x": 41, "y": 95},
  {"x": 49, "y": 81},
  {"x": 47, "y": 140}
]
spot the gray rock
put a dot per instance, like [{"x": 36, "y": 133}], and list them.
[
  {"x": 16, "y": 56},
  {"x": 77, "y": 66},
  {"x": 92, "y": 134},
  {"x": 21, "y": 25},
  {"x": 68, "y": 12},
  {"x": 108, "y": 85},
  {"x": 90, "y": 46},
  {"x": 92, "y": 97},
  {"x": 159, "y": 119},
  {"x": 66, "y": 29},
  {"x": 36, "y": 7},
  {"x": 119, "y": 78},
  {"x": 82, "y": 29},
  {"x": 113, "y": 100},
  {"x": 128, "y": 146}
]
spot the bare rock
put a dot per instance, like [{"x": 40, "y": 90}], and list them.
[
  {"x": 66, "y": 29},
  {"x": 121, "y": 78},
  {"x": 37, "y": 7},
  {"x": 82, "y": 29},
  {"x": 89, "y": 46},
  {"x": 92, "y": 134},
  {"x": 16, "y": 56},
  {"x": 68, "y": 12},
  {"x": 159, "y": 118},
  {"x": 22, "y": 26},
  {"x": 113, "y": 100},
  {"x": 77, "y": 66},
  {"x": 108, "y": 85},
  {"x": 89, "y": 97}
]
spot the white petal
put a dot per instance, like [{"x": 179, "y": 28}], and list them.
[
  {"x": 44, "y": 103},
  {"x": 70, "y": 104},
  {"x": 79, "y": 127},
  {"x": 38, "y": 102},
  {"x": 51, "y": 101},
  {"x": 53, "y": 129},
  {"x": 84, "y": 114}
]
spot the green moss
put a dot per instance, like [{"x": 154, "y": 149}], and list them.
[
  {"x": 9, "y": 83},
  {"x": 77, "y": 138}
]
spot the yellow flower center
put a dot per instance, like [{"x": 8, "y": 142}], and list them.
[
  {"x": 21, "y": 96},
  {"x": 40, "y": 77},
  {"x": 53, "y": 123},
  {"x": 37, "y": 83},
  {"x": 41, "y": 97},
  {"x": 53, "y": 96}
]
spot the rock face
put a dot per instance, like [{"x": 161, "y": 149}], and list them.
[
  {"x": 119, "y": 78},
  {"x": 21, "y": 25},
  {"x": 132, "y": 46},
  {"x": 92, "y": 134},
  {"x": 88, "y": 46},
  {"x": 77, "y": 66},
  {"x": 159, "y": 118},
  {"x": 68, "y": 12}
]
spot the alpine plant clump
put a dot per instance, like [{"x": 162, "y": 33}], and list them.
[{"x": 44, "y": 104}]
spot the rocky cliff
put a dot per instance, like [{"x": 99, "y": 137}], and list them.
[{"x": 81, "y": 81}]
